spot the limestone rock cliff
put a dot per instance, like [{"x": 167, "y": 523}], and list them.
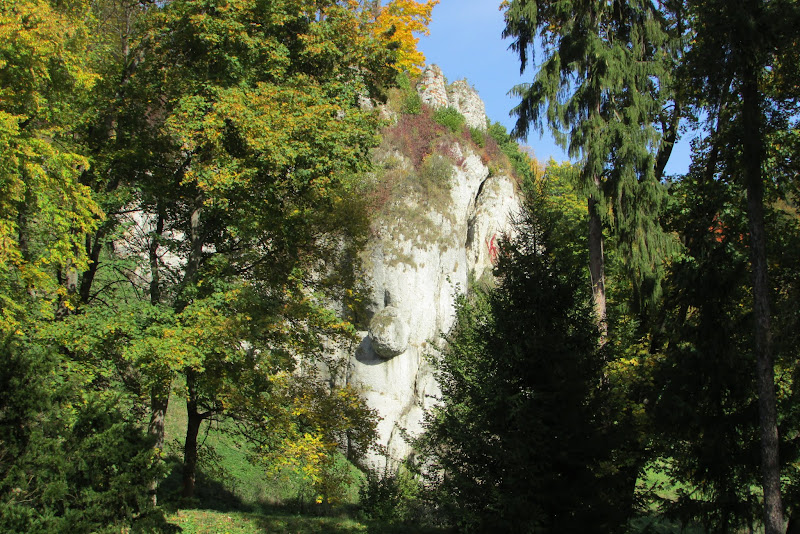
[
  {"x": 435, "y": 92},
  {"x": 414, "y": 280}
]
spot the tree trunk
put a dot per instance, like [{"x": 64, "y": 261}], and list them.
[
  {"x": 765, "y": 372},
  {"x": 668, "y": 141},
  {"x": 194, "y": 418},
  {"x": 22, "y": 223},
  {"x": 159, "y": 396},
  {"x": 159, "y": 401},
  {"x": 794, "y": 525},
  {"x": 196, "y": 237},
  {"x": 93, "y": 247},
  {"x": 155, "y": 277},
  {"x": 193, "y": 421},
  {"x": 71, "y": 281},
  {"x": 597, "y": 267}
]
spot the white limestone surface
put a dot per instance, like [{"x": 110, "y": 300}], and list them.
[
  {"x": 414, "y": 285},
  {"x": 416, "y": 275}
]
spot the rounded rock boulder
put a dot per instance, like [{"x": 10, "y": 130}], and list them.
[{"x": 389, "y": 333}]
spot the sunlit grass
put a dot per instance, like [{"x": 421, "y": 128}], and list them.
[{"x": 214, "y": 522}]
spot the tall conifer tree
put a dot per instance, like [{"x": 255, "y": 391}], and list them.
[
  {"x": 601, "y": 87},
  {"x": 520, "y": 440},
  {"x": 736, "y": 48}
]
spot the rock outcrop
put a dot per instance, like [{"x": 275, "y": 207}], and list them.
[
  {"x": 435, "y": 92},
  {"x": 415, "y": 281}
]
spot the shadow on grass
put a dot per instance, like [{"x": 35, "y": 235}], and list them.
[
  {"x": 333, "y": 525},
  {"x": 654, "y": 524},
  {"x": 210, "y": 493},
  {"x": 306, "y": 525},
  {"x": 293, "y": 515}
]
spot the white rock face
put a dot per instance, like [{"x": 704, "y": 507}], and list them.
[
  {"x": 484, "y": 228},
  {"x": 434, "y": 91},
  {"x": 415, "y": 279},
  {"x": 413, "y": 290},
  {"x": 432, "y": 87},
  {"x": 464, "y": 98}
]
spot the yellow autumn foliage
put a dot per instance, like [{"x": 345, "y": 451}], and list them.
[
  {"x": 44, "y": 209},
  {"x": 400, "y": 21}
]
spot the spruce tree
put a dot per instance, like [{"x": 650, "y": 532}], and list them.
[
  {"x": 73, "y": 454},
  {"x": 520, "y": 441},
  {"x": 604, "y": 88}
]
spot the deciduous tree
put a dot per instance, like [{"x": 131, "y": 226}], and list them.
[
  {"x": 246, "y": 134},
  {"x": 399, "y": 22},
  {"x": 44, "y": 209}
]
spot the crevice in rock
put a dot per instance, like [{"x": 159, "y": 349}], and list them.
[{"x": 470, "y": 233}]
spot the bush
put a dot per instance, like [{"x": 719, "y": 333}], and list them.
[
  {"x": 391, "y": 497},
  {"x": 71, "y": 459},
  {"x": 412, "y": 104},
  {"x": 478, "y": 137},
  {"x": 434, "y": 176},
  {"x": 403, "y": 82},
  {"x": 503, "y": 147},
  {"x": 403, "y": 98},
  {"x": 450, "y": 118},
  {"x": 417, "y": 136}
]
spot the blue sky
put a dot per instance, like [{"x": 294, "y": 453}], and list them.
[{"x": 465, "y": 41}]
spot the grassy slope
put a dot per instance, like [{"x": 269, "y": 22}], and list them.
[
  {"x": 226, "y": 478},
  {"x": 215, "y": 522},
  {"x": 236, "y": 497}
]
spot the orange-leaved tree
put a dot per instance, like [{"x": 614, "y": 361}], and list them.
[{"x": 400, "y": 22}]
